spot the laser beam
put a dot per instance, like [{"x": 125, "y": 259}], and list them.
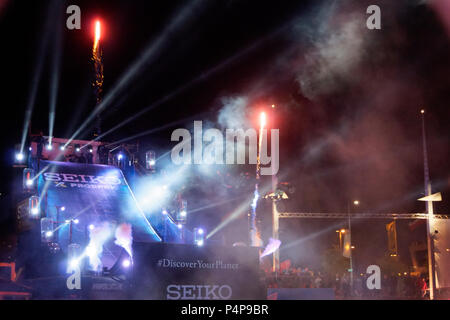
[
  {"x": 35, "y": 78},
  {"x": 166, "y": 126},
  {"x": 55, "y": 78}
]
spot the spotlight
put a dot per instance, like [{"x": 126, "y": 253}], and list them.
[
  {"x": 76, "y": 221},
  {"x": 67, "y": 221},
  {"x": 30, "y": 149},
  {"x": 28, "y": 179},
  {"x": 164, "y": 212},
  {"x": 182, "y": 213},
  {"x": 19, "y": 156},
  {"x": 120, "y": 156},
  {"x": 63, "y": 208},
  {"x": 180, "y": 226},
  {"x": 62, "y": 148},
  {"x": 77, "y": 149},
  {"x": 91, "y": 150},
  {"x": 33, "y": 205},
  {"x": 47, "y": 225},
  {"x": 91, "y": 227},
  {"x": 126, "y": 263},
  {"x": 150, "y": 160},
  {"x": 199, "y": 238},
  {"x": 49, "y": 147}
]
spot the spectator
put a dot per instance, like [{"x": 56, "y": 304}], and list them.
[
  {"x": 423, "y": 288},
  {"x": 318, "y": 282}
]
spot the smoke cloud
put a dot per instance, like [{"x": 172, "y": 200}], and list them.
[
  {"x": 124, "y": 237},
  {"x": 271, "y": 247},
  {"x": 97, "y": 238}
]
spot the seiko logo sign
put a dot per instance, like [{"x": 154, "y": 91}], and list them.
[
  {"x": 81, "y": 178},
  {"x": 198, "y": 292}
]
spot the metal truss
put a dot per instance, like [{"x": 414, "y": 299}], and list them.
[{"x": 322, "y": 215}]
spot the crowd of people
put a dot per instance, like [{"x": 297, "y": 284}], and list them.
[{"x": 398, "y": 286}]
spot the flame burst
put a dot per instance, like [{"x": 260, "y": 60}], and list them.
[{"x": 98, "y": 63}]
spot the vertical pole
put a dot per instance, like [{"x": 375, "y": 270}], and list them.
[
  {"x": 429, "y": 206},
  {"x": 275, "y": 226},
  {"x": 351, "y": 254}
]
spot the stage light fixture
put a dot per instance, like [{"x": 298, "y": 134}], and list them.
[
  {"x": 180, "y": 226},
  {"x": 49, "y": 146},
  {"x": 199, "y": 236},
  {"x": 182, "y": 212},
  {"x": 165, "y": 212},
  {"x": 19, "y": 156},
  {"x": 91, "y": 227},
  {"x": 91, "y": 150},
  {"x": 46, "y": 229},
  {"x": 33, "y": 206},
  {"x": 126, "y": 263},
  {"x": 150, "y": 160},
  {"x": 120, "y": 156},
  {"x": 62, "y": 148},
  {"x": 76, "y": 221},
  {"x": 28, "y": 179}
]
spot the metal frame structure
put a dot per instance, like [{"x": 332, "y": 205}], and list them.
[
  {"x": 321, "y": 215},
  {"x": 360, "y": 215}
]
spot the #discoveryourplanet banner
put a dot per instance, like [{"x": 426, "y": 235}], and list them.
[{"x": 186, "y": 272}]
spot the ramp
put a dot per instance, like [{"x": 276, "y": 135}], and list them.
[{"x": 90, "y": 194}]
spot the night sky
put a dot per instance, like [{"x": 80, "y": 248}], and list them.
[{"x": 347, "y": 98}]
